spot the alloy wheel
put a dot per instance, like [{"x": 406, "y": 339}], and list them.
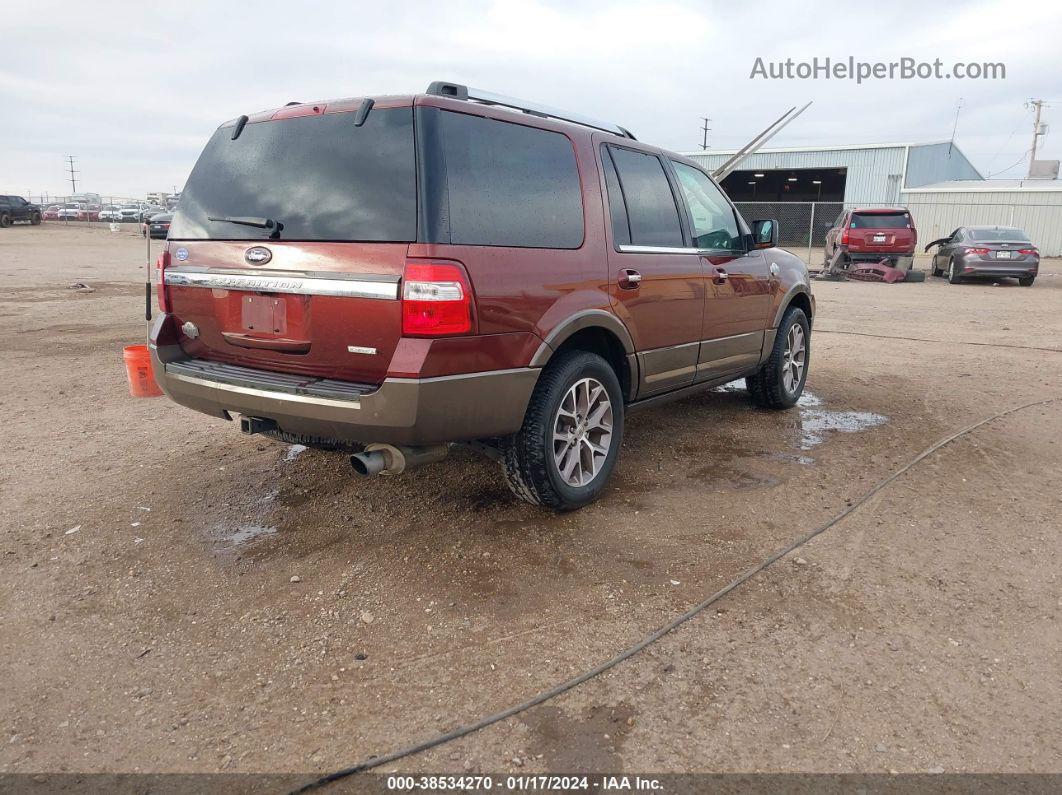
[
  {"x": 794, "y": 358},
  {"x": 582, "y": 432}
]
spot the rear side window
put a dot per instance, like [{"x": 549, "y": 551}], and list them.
[
  {"x": 651, "y": 209},
  {"x": 880, "y": 221},
  {"x": 510, "y": 185},
  {"x": 319, "y": 176}
]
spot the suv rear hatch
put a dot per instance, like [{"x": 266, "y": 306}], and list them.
[
  {"x": 890, "y": 232},
  {"x": 290, "y": 240}
]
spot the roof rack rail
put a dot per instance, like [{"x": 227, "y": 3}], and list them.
[{"x": 458, "y": 91}]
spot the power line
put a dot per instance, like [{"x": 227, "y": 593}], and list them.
[{"x": 705, "y": 129}]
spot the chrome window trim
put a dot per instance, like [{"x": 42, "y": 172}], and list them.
[
  {"x": 657, "y": 250},
  {"x": 625, "y": 249},
  {"x": 339, "y": 285}
]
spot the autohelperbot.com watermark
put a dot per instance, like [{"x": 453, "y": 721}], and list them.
[{"x": 850, "y": 69}]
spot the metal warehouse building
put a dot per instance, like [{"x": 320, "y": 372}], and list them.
[
  {"x": 1034, "y": 205},
  {"x": 857, "y": 174},
  {"x": 805, "y": 188}
]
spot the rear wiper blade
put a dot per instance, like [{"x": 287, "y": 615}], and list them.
[{"x": 261, "y": 223}]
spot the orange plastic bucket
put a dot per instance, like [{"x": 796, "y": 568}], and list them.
[{"x": 138, "y": 369}]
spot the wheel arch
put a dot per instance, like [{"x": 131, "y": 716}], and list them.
[
  {"x": 800, "y": 296},
  {"x": 598, "y": 332}
]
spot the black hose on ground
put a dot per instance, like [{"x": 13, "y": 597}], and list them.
[
  {"x": 563, "y": 687},
  {"x": 942, "y": 342}
]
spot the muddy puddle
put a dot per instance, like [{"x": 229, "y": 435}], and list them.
[
  {"x": 817, "y": 421},
  {"x": 242, "y": 534}
]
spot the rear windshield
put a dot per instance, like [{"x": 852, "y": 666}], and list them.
[
  {"x": 321, "y": 177},
  {"x": 881, "y": 221},
  {"x": 998, "y": 234}
]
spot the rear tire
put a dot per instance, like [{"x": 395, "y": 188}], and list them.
[
  {"x": 566, "y": 449},
  {"x": 780, "y": 382},
  {"x": 953, "y": 272},
  {"x": 1026, "y": 281},
  {"x": 5, "y": 221}
]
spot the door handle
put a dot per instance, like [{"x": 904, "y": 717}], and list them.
[
  {"x": 719, "y": 275},
  {"x": 629, "y": 279}
]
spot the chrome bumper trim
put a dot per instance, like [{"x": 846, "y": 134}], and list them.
[{"x": 297, "y": 283}]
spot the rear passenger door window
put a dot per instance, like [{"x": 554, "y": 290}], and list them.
[
  {"x": 652, "y": 213},
  {"x": 510, "y": 185},
  {"x": 714, "y": 224}
]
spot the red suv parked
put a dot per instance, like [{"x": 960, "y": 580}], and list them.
[
  {"x": 410, "y": 272},
  {"x": 867, "y": 234}
]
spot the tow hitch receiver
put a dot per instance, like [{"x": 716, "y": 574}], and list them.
[{"x": 251, "y": 425}]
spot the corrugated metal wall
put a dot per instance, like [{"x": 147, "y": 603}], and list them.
[
  {"x": 938, "y": 213},
  {"x": 931, "y": 163},
  {"x": 874, "y": 175}
]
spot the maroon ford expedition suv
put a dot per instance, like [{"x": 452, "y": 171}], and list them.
[{"x": 407, "y": 272}]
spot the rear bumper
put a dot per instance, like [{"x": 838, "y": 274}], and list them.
[
  {"x": 1014, "y": 271},
  {"x": 410, "y": 411}
]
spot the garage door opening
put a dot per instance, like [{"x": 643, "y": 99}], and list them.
[{"x": 787, "y": 185}]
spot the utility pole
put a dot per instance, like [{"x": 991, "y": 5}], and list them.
[
  {"x": 705, "y": 129},
  {"x": 73, "y": 179},
  {"x": 1037, "y": 104}
]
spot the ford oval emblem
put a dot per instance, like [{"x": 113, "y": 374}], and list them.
[
  {"x": 257, "y": 255},
  {"x": 181, "y": 254}
]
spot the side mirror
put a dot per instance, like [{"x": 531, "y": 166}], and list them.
[{"x": 765, "y": 233}]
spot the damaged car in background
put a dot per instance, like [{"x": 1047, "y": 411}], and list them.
[{"x": 986, "y": 252}]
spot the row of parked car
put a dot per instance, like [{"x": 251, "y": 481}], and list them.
[
  {"x": 153, "y": 220},
  {"x": 121, "y": 213}
]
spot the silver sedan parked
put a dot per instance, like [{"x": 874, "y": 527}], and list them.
[{"x": 993, "y": 252}]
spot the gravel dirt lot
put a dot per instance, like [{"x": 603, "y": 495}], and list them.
[{"x": 149, "y": 620}]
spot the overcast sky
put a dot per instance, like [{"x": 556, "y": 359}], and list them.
[{"x": 134, "y": 90}]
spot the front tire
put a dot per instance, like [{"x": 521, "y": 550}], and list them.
[
  {"x": 780, "y": 382},
  {"x": 35, "y": 219},
  {"x": 566, "y": 449},
  {"x": 1026, "y": 281},
  {"x": 936, "y": 271}
]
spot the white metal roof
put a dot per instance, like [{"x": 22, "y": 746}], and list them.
[
  {"x": 985, "y": 185},
  {"x": 838, "y": 147}
]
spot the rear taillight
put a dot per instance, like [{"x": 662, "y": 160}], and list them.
[
  {"x": 161, "y": 264},
  {"x": 1029, "y": 252},
  {"x": 436, "y": 300},
  {"x": 844, "y": 237},
  {"x": 981, "y": 252}
]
